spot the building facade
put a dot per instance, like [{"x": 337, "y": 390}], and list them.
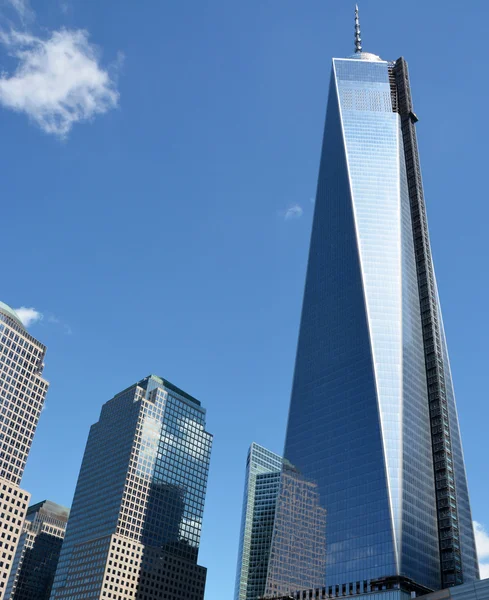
[
  {"x": 298, "y": 550},
  {"x": 477, "y": 590},
  {"x": 326, "y": 594},
  {"x": 135, "y": 524},
  {"x": 263, "y": 469},
  {"x": 22, "y": 395},
  {"x": 373, "y": 420},
  {"x": 37, "y": 553},
  {"x": 393, "y": 590}
]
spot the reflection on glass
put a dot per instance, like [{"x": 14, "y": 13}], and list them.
[{"x": 298, "y": 553}]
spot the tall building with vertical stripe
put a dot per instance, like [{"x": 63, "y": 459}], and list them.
[{"x": 373, "y": 420}]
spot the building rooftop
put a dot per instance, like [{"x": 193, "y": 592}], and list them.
[
  {"x": 10, "y": 312},
  {"x": 176, "y": 389},
  {"x": 167, "y": 384},
  {"x": 366, "y": 56},
  {"x": 61, "y": 512}
]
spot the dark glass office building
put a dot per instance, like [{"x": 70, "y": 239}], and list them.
[
  {"x": 135, "y": 524},
  {"x": 262, "y": 483},
  {"x": 373, "y": 420},
  {"x": 38, "y": 551}
]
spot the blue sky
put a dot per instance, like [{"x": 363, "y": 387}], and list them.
[{"x": 158, "y": 164}]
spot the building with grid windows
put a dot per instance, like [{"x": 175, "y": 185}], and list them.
[
  {"x": 262, "y": 483},
  {"x": 391, "y": 590},
  {"x": 37, "y": 553},
  {"x": 298, "y": 549},
  {"x": 22, "y": 394},
  {"x": 135, "y": 524},
  {"x": 373, "y": 419}
]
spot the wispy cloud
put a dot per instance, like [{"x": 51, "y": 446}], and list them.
[
  {"x": 22, "y": 8},
  {"x": 482, "y": 543},
  {"x": 57, "y": 321},
  {"x": 58, "y": 81},
  {"x": 29, "y": 316},
  {"x": 293, "y": 212}
]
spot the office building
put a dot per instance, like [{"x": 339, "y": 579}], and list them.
[
  {"x": 262, "y": 483},
  {"x": 22, "y": 394},
  {"x": 136, "y": 519},
  {"x": 392, "y": 590},
  {"x": 476, "y": 590},
  {"x": 38, "y": 552},
  {"x": 373, "y": 419}
]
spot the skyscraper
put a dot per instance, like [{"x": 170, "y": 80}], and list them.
[
  {"x": 135, "y": 524},
  {"x": 372, "y": 417},
  {"x": 263, "y": 469},
  {"x": 22, "y": 395},
  {"x": 38, "y": 552}
]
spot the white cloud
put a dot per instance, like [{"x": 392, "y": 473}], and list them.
[
  {"x": 482, "y": 543},
  {"x": 294, "y": 212},
  {"x": 28, "y": 316},
  {"x": 58, "y": 82}
]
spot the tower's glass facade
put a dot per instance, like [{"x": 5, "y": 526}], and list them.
[
  {"x": 372, "y": 417},
  {"x": 263, "y": 470},
  {"x": 136, "y": 520},
  {"x": 298, "y": 551},
  {"x": 476, "y": 590}
]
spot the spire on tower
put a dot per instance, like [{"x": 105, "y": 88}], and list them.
[{"x": 358, "y": 37}]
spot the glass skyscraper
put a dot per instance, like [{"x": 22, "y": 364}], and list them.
[
  {"x": 38, "y": 552},
  {"x": 263, "y": 471},
  {"x": 135, "y": 524},
  {"x": 22, "y": 395},
  {"x": 372, "y": 419}
]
